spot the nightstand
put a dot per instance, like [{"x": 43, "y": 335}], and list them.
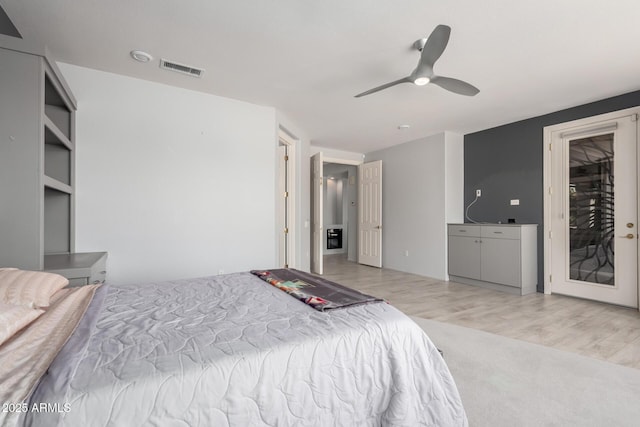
[{"x": 81, "y": 269}]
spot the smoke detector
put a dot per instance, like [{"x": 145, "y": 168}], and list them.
[{"x": 141, "y": 56}]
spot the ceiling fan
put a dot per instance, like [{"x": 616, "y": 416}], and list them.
[{"x": 431, "y": 49}]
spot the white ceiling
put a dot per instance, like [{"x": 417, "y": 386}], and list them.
[{"x": 308, "y": 58}]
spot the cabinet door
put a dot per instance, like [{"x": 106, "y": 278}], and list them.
[
  {"x": 464, "y": 256},
  {"x": 501, "y": 261}
]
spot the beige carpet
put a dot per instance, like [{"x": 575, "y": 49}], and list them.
[{"x": 507, "y": 382}]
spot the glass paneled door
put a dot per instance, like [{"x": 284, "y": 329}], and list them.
[
  {"x": 593, "y": 205},
  {"x": 591, "y": 210}
]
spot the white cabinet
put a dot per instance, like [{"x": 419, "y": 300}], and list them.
[{"x": 498, "y": 256}]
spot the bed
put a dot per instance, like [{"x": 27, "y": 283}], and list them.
[{"x": 232, "y": 350}]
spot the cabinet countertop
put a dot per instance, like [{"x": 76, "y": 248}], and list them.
[
  {"x": 75, "y": 261},
  {"x": 493, "y": 224}
]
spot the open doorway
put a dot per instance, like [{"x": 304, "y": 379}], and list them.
[
  {"x": 340, "y": 211},
  {"x": 363, "y": 207},
  {"x": 338, "y": 236}
]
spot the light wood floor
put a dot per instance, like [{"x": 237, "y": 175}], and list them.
[{"x": 589, "y": 328}]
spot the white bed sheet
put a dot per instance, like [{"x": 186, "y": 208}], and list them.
[{"x": 234, "y": 351}]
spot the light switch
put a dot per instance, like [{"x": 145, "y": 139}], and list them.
[{"x": 515, "y": 202}]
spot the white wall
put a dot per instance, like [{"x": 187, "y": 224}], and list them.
[
  {"x": 331, "y": 155},
  {"x": 332, "y": 205},
  {"x": 453, "y": 183},
  {"x": 171, "y": 182},
  {"x": 421, "y": 187}
]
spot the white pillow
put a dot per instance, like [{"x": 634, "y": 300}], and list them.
[
  {"x": 29, "y": 288},
  {"x": 15, "y": 317}
]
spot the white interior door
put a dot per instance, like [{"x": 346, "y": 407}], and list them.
[
  {"x": 593, "y": 208},
  {"x": 317, "y": 196},
  {"x": 370, "y": 214}
]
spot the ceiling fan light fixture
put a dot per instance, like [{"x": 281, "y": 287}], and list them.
[{"x": 431, "y": 50}]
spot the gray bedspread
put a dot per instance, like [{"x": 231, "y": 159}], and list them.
[{"x": 234, "y": 351}]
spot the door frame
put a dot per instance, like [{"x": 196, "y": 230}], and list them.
[
  {"x": 338, "y": 160},
  {"x": 546, "y": 182},
  {"x": 291, "y": 142},
  {"x": 317, "y": 216}
]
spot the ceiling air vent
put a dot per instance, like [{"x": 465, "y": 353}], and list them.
[{"x": 181, "y": 68}]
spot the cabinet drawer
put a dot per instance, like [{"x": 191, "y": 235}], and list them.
[
  {"x": 501, "y": 232},
  {"x": 77, "y": 281},
  {"x": 464, "y": 230},
  {"x": 96, "y": 278}
]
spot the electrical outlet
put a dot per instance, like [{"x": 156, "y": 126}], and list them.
[{"x": 478, "y": 193}]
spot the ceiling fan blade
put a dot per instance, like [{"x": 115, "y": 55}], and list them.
[
  {"x": 434, "y": 46},
  {"x": 455, "y": 85},
  {"x": 379, "y": 88}
]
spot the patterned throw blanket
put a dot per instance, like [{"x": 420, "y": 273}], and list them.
[{"x": 319, "y": 293}]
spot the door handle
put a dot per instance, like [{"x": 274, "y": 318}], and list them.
[{"x": 629, "y": 236}]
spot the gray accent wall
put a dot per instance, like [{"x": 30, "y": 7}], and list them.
[{"x": 506, "y": 163}]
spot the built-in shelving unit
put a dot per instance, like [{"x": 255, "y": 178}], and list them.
[
  {"x": 58, "y": 179},
  {"x": 37, "y": 168},
  {"x": 37, "y": 158}
]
